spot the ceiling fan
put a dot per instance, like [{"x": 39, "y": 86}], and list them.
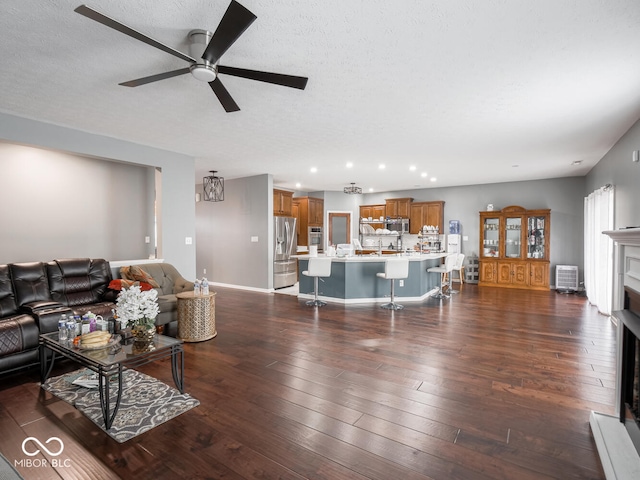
[{"x": 207, "y": 46}]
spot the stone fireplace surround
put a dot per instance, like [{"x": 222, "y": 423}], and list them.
[{"x": 619, "y": 457}]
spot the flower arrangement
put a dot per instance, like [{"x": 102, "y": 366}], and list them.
[{"x": 137, "y": 308}]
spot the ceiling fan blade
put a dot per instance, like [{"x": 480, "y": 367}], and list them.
[
  {"x": 275, "y": 78},
  {"x": 154, "y": 78},
  {"x": 233, "y": 24},
  {"x": 223, "y": 95},
  {"x": 109, "y": 22}
]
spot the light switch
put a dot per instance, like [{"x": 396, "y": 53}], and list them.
[
  {"x": 254, "y": 239},
  {"x": 188, "y": 240},
  {"x": 465, "y": 238},
  {"x": 147, "y": 239}
]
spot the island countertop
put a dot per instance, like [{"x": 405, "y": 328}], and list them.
[
  {"x": 375, "y": 258},
  {"x": 353, "y": 278}
]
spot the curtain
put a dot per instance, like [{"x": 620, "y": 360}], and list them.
[{"x": 598, "y": 248}]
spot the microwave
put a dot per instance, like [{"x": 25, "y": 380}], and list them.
[{"x": 400, "y": 225}]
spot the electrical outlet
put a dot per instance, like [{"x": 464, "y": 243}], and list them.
[
  {"x": 254, "y": 239},
  {"x": 188, "y": 240},
  {"x": 401, "y": 283},
  {"x": 147, "y": 239}
]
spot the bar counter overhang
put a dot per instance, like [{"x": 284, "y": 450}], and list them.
[
  {"x": 353, "y": 279},
  {"x": 619, "y": 457}
]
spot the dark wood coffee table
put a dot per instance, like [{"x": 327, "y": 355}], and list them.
[{"x": 110, "y": 361}]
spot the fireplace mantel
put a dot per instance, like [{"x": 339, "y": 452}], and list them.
[{"x": 619, "y": 458}]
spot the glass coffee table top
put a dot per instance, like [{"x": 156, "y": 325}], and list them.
[{"x": 117, "y": 352}]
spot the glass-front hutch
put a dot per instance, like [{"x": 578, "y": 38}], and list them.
[{"x": 514, "y": 248}]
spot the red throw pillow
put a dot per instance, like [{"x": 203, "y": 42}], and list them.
[{"x": 120, "y": 283}]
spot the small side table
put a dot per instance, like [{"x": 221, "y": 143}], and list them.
[{"x": 196, "y": 316}]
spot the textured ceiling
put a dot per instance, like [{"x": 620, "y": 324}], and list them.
[{"x": 463, "y": 90}]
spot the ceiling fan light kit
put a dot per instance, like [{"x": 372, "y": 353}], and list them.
[{"x": 206, "y": 46}]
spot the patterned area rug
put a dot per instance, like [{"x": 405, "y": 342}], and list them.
[{"x": 146, "y": 402}]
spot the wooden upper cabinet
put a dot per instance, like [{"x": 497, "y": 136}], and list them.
[
  {"x": 309, "y": 212},
  {"x": 398, "y": 207},
  {"x": 426, "y": 213},
  {"x": 316, "y": 212},
  {"x": 282, "y": 203},
  {"x": 373, "y": 211}
]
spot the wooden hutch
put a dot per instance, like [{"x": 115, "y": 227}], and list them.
[{"x": 514, "y": 248}]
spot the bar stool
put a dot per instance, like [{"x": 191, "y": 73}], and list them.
[
  {"x": 394, "y": 268},
  {"x": 458, "y": 267},
  {"x": 318, "y": 267},
  {"x": 444, "y": 271}
]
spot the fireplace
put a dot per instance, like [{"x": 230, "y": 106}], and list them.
[
  {"x": 630, "y": 365},
  {"x": 618, "y": 437}
]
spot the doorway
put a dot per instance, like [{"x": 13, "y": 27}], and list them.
[{"x": 339, "y": 228}]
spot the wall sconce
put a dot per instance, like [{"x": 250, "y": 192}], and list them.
[{"x": 213, "y": 187}]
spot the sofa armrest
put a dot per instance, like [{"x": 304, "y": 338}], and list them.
[
  {"x": 182, "y": 285},
  {"x": 48, "y": 319},
  {"x": 32, "y": 308}
]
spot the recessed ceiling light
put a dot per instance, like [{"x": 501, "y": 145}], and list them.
[
  {"x": 298, "y": 185},
  {"x": 423, "y": 174},
  {"x": 371, "y": 189},
  {"x": 349, "y": 164},
  {"x": 576, "y": 162},
  {"x": 382, "y": 166},
  {"x": 433, "y": 179},
  {"x": 314, "y": 169},
  {"x": 515, "y": 166},
  {"x": 412, "y": 168}
]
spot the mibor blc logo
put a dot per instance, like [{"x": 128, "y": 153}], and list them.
[{"x": 53, "y": 447}]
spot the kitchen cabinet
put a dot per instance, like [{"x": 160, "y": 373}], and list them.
[
  {"x": 310, "y": 213},
  {"x": 282, "y": 203},
  {"x": 426, "y": 213},
  {"x": 373, "y": 211},
  {"x": 398, "y": 207},
  {"x": 514, "y": 248}
]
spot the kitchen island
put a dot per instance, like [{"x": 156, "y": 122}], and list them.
[{"x": 354, "y": 280}]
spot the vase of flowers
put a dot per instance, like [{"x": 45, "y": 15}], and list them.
[{"x": 138, "y": 310}]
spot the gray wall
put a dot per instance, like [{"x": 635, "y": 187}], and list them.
[
  {"x": 617, "y": 168},
  {"x": 224, "y": 230},
  {"x": 53, "y": 207},
  {"x": 176, "y": 211}
]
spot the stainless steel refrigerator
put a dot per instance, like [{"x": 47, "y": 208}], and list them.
[{"x": 285, "y": 272}]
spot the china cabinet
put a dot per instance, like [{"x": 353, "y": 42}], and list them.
[{"x": 514, "y": 248}]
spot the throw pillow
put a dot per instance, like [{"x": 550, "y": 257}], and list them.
[
  {"x": 137, "y": 273},
  {"x": 120, "y": 283}
]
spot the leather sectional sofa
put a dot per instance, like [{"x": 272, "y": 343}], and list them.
[{"x": 34, "y": 295}]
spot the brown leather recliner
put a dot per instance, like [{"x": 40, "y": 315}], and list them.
[{"x": 82, "y": 285}]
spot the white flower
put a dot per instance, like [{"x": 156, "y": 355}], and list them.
[{"x": 135, "y": 307}]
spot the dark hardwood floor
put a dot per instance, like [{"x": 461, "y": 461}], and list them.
[{"x": 491, "y": 384}]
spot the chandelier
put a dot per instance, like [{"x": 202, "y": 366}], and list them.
[
  {"x": 213, "y": 187},
  {"x": 353, "y": 190}
]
